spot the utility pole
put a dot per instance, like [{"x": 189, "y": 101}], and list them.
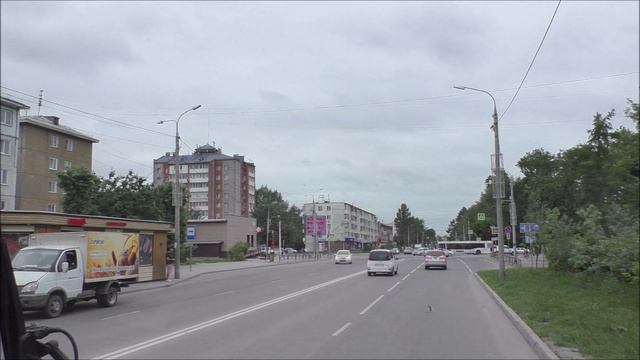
[
  {"x": 315, "y": 229},
  {"x": 279, "y": 238},
  {"x": 266, "y": 238},
  {"x": 514, "y": 221},
  {"x": 498, "y": 190}
]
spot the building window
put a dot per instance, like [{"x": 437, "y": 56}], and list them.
[
  {"x": 53, "y": 164},
  {"x": 328, "y": 208},
  {"x": 5, "y": 147},
  {"x": 54, "y": 141},
  {"x": 4, "y": 179},
  {"x": 1, "y": 204},
  {"x": 51, "y": 207},
  {"x": 67, "y": 165},
  {"x": 53, "y": 186},
  {"x": 68, "y": 144},
  {"x": 319, "y": 208},
  {"x": 7, "y": 117}
]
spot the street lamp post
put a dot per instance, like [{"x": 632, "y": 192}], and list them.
[
  {"x": 498, "y": 183},
  {"x": 177, "y": 193}
]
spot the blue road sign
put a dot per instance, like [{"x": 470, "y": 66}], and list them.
[{"x": 191, "y": 233}]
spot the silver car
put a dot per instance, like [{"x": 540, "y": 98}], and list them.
[
  {"x": 343, "y": 257},
  {"x": 435, "y": 258}
]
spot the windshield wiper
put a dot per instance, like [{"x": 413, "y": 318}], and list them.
[{"x": 30, "y": 268}]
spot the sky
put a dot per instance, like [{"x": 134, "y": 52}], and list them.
[{"x": 347, "y": 101}]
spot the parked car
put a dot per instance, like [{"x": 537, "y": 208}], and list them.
[
  {"x": 435, "y": 258},
  {"x": 418, "y": 251},
  {"x": 408, "y": 251},
  {"x": 395, "y": 251},
  {"x": 343, "y": 257},
  {"x": 290, "y": 250},
  {"x": 382, "y": 261},
  {"x": 522, "y": 250},
  {"x": 508, "y": 250}
]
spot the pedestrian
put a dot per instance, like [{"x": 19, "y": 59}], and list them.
[{"x": 169, "y": 266}]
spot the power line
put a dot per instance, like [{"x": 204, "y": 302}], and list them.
[
  {"x": 117, "y": 122},
  {"x": 532, "y": 60}
]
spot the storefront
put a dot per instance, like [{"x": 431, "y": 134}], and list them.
[{"x": 17, "y": 225}]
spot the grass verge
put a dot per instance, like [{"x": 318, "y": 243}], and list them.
[
  {"x": 207, "y": 260},
  {"x": 596, "y": 315}
]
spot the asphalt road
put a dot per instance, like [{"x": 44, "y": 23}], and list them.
[{"x": 305, "y": 310}]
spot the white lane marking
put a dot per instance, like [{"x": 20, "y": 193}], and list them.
[
  {"x": 341, "y": 329},
  {"x": 163, "y": 338},
  {"x": 412, "y": 271},
  {"x": 465, "y": 265},
  {"x": 223, "y": 293},
  {"x": 398, "y": 283},
  {"x": 406, "y": 276},
  {"x": 115, "y": 316},
  {"x": 371, "y": 305}
]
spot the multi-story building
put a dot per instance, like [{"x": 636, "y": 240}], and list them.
[
  {"x": 385, "y": 233},
  {"x": 218, "y": 184},
  {"x": 45, "y": 148},
  {"x": 9, "y": 112},
  {"x": 348, "y": 226}
]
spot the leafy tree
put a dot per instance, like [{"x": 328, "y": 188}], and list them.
[
  {"x": 402, "y": 223},
  {"x": 269, "y": 203},
  {"x": 81, "y": 186}
]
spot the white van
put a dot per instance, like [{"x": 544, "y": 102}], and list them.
[{"x": 382, "y": 261}]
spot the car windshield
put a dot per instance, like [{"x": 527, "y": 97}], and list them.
[
  {"x": 343, "y": 252},
  {"x": 35, "y": 259},
  {"x": 435, "y": 253},
  {"x": 379, "y": 255}
]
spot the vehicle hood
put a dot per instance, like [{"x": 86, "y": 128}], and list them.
[{"x": 25, "y": 277}]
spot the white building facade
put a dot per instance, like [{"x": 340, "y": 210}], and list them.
[
  {"x": 9, "y": 111},
  {"x": 347, "y": 226}
]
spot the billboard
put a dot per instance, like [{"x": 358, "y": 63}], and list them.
[
  {"x": 146, "y": 249},
  {"x": 320, "y": 225},
  {"x": 111, "y": 254}
]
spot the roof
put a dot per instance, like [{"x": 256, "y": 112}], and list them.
[
  {"x": 12, "y": 103},
  {"x": 51, "y": 123}
]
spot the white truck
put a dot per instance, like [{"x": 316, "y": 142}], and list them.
[{"x": 56, "y": 270}]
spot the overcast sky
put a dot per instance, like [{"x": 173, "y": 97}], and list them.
[{"x": 355, "y": 99}]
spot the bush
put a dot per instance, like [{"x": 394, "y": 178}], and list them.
[{"x": 238, "y": 251}]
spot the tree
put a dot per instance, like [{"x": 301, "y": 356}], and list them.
[
  {"x": 402, "y": 223},
  {"x": 269, "y": 203},
  {"x": 80, "y": 187}
]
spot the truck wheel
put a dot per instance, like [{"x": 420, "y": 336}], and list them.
[
  {"x": 54, "y": 306},
  {"x": 109, "y": 299}
]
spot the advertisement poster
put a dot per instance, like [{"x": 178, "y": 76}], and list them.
[
  {"x": 146, "y": 249},
  {"x": 321, "y": 226},
  {"x": 111, "y": 254}
]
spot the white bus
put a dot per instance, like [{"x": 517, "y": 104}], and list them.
[{"x": 467, "y": 247}]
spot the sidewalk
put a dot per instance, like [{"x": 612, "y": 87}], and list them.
[{"x": 188, "y": 272}]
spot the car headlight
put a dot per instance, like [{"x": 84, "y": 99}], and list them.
[{"x": 30, "y": 288}]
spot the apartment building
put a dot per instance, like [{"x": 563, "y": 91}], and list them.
[
  {"x": 45, "y": 148},
  {"x": 9, "y": 112},
  {"x": 347, "y": 226},
  {"x": 218, "y": 184}
]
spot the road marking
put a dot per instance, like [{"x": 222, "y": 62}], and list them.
[
  {"x": 223, "y": 293},
  {"x": 163, "y": 338},
  {"x": 341, "y": 329},
  {"x": 465, "y": 265},
  {"x": 115, "y": 316},
  {"x": 406, "y": 276},
  {"x": 398, "y": 283},
  {"x": 277, "y": 280},
  {"x": 371, "y": 305}
]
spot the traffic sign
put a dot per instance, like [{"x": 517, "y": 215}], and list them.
[
  {"x": 494, "y": 230},
  {"x": 191, "y": 233},
  {"x": 258, "y": 229},
  {"x": 481, "y": 217},
  {"x": 507, "y": 229}
]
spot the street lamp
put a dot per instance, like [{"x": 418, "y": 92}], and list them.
[
  {"x": 177, "y": 194},
  {"x": 498, "y": 183}
]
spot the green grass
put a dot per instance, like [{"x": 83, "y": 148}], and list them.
[
  {"x": 596, "y": 315},
  {"x": 207, "y": 260}
]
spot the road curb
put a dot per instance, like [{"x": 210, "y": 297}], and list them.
[
  {"x": 176, "y": 282},
  {"x": 539, "y": 346}
]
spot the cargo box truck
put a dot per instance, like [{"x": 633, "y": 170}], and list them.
[{"x": 56, "y": 270}]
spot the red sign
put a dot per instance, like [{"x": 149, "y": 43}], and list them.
[
  {"x": 76, "y": 221},
  {"x": 116, "y": 223}
]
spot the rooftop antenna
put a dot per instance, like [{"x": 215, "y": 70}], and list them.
[{"x": 40, "y": 100}]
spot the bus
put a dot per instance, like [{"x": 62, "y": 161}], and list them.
[{"x": 467, "y": 247}]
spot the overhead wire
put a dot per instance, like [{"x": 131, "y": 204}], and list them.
[
  {"x": 117, "y": 122},
  {"x": 532, "y": 60}
]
